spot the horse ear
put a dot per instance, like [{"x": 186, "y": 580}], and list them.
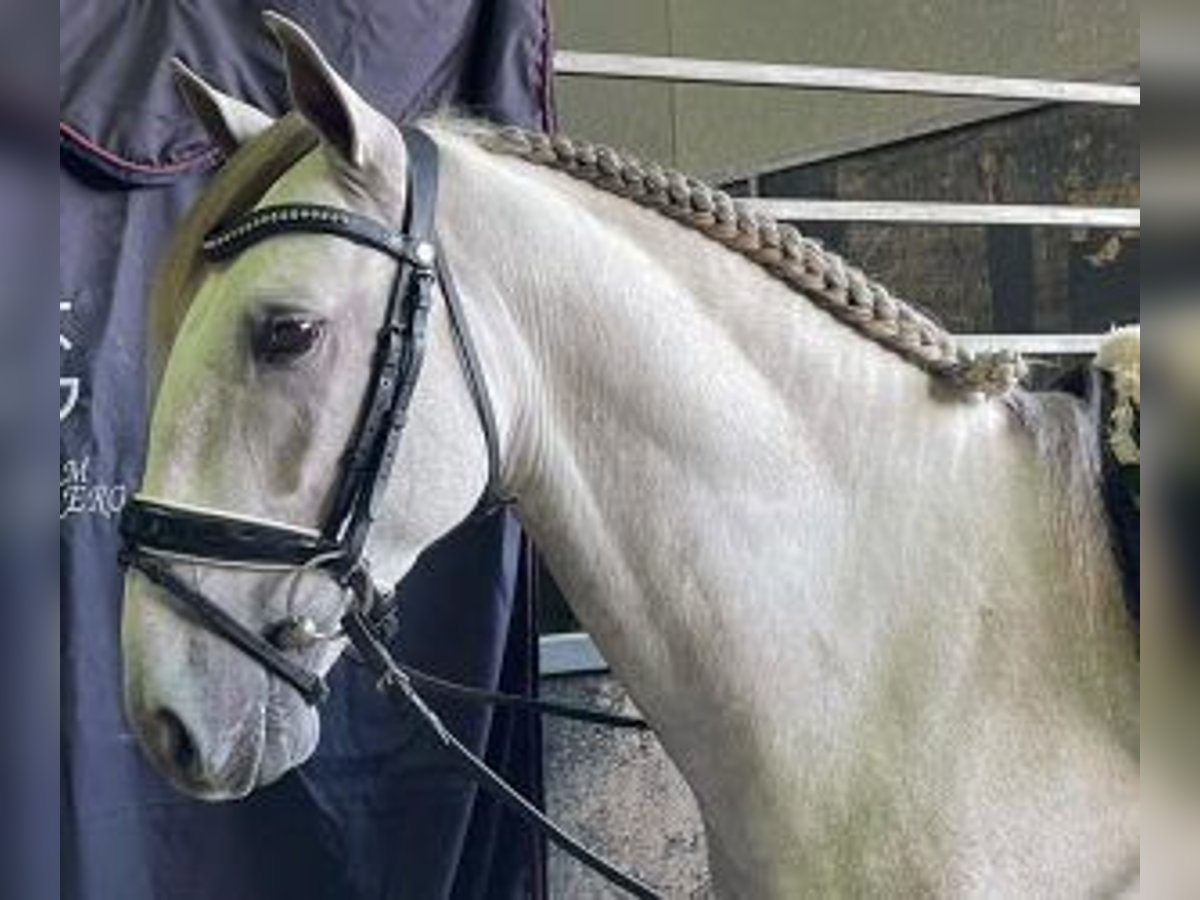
[
  {"x": 228, "y": 121},
  {"x": 341, "y": 117}
]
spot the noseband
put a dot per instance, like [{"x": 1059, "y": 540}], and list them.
[{"x": 156, "y": 532}]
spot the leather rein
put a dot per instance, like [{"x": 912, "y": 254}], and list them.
[{"x": 157, "y": 532}]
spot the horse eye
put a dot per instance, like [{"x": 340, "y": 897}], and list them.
[{"x": 282, "y": 338}]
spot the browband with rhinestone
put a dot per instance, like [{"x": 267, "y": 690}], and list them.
[{"x": 310, "y": 218}]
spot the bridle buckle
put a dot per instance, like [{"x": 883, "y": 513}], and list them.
[{"x": 300, "y": 633}]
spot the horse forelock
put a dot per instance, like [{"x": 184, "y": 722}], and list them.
[{"x": 240, "y": 183}]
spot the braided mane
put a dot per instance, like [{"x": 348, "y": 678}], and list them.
[{"x": 798, "y": 261}]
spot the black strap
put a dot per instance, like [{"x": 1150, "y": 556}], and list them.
[
  {"x": 164, "y": 528},
  {"x": 366, "y": 471},
  {"x": 470, "y": 694},
  {"x": 310, "y": 686},
  {"x": 473, "y": 370},
  {"x": 380, "y": 614},
  {"x": 422, "y": 165},
  {"x": 396, "y": 684},
  {"x": 408, "y": 315},
  {"x": 308, "y": 218},
  {"x": 398, "y": 359}
]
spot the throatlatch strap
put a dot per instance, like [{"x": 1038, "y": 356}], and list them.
[{"x": 468, "y": 357}]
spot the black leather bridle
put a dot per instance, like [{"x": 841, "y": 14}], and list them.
[{"x": 156, "y": 532}]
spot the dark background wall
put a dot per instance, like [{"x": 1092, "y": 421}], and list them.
[{"x": 993, "y": 278}]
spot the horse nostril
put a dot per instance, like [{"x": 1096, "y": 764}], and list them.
[{"x": 172, "y": 742}]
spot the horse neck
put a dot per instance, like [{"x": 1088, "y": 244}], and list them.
[{"x": 717, "y": 470}]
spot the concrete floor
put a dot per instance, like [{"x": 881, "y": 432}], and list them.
[{"x": 619, "y": 793}]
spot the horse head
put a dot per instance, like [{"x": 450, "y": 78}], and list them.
[{"x": 259, "y": 405}]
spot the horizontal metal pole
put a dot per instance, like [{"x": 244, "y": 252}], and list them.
[
  {"x": 1033, "y": 344},
  {"x": 830, "y": 78},
  {"x": 921, "y": 213}
]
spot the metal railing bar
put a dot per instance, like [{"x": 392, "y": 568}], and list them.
[
  {"x": 923, "y": 213},
  {"x": 835, "y": 78},
  {"x": 1034, "y": 344}
]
